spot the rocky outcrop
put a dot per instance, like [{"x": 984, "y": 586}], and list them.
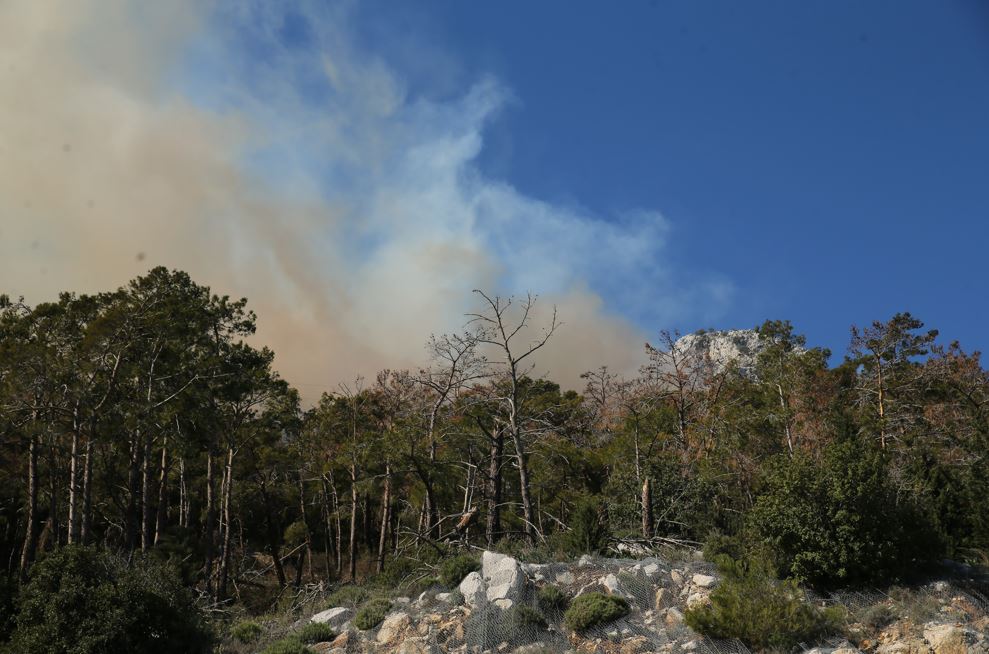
[{"x": 483, "y": 617}]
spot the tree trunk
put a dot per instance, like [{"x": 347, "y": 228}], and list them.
[
  {"x": 274, "y": 537},
  {"x": 162, "y": 515},
  {"x": 133, "y": 522},
  {"x": 73, "y": 517},
  {"x": 210, "y": 526},
  {"x": 527, "y": 513},
  {"x": 353, "y": 522},
  {"x": 385, "y": 518},
  {"x": 183, "y": 496},
  {"x": 29, "y": 549},
  {"x": 228, "y": 482},
  {"x": 87, "y": 492},
  {"x": 493, "y": 527},
  {"x": 146, "y": 506},
  {"x": 305, "y": 524},
  {"x": 338, "y": 519},
  {"x": 648, "y": 529},
  {"x": 327, "y": 526}
]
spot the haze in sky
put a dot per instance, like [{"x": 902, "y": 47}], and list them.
[{"x": 356, "y": 169}]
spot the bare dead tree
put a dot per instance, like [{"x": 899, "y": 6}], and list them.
[{"x": 506, "y": 334}]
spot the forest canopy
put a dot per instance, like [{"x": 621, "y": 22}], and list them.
[{"x": 143, "y": 422}]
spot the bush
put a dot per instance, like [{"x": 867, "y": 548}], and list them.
[
  {"x": 838, "y": 522},
  {"x": 289, "y": 645},
  {"x": 589, "y": 532},
  {"x": 877, "y": 616},
  {"x": 317, "y": 632},
  {"x": 348, "y": 596},
  {"x": 526, "y": 617},
  {"x": 453, "y": 570},
  {"x": 246, "y": 632},
  {"x": 552, "y": 599},
  {"x": 594, "y": 609},
  {"x": 372, "y": 614},
  {"x": 86, "y": 601},
  {"x": 750, "y": 605},
  {"x": 8, "y": 602}
]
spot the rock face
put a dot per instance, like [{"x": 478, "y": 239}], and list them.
[
  {"x": 484, "y": 617},
  {"x": 504, "y": 579},
  {"x": 472, "y": 588},
  {"x": 392, "y": 628},
  {"x": 335, "y": 617}
]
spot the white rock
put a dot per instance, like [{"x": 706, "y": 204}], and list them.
[
  {"x": 704, "y": 581},
  {"x": 503, "y": 576},
  {"x": 676, "y": 577},
  {"x": 392, "y": 627},
  {"x": 585, "y": 561},
  {"x": 651, "y": 570},
  {"x": 503, "y": 604},
  {"x": 566, "y": 578},
  {"x": 334, "y": 617},
  {"x": 689, "y": 646},
  {"x": 948, "y": 638},
  {"x": 697, "y": 599},
  {"x": 444, "y": 597},
  {"x": 611, "y": 584},
  {"x": 473, "y": 590}
]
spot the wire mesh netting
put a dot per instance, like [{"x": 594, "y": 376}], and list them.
[{"x": 658, "y": 592}]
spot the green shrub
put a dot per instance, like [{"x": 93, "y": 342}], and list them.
[
  {"x": 348, "y": 596},
  {"x": 372, "y": 614},
  {"x": 8, "y": 602},
  {"x": 838, "y": 521},
  {"x": 247, "y": 631},
  {"x": 594, "y": 609},
  {"x": 87, "y": 601},
  {"x": 453, "y": 570},
  {"x": 317, "y": 632},
  {"x": 916, "y": 606},
  {"x": 750, "y": 605},
  {"x": 877, "y": 617},
  {"x": 589, "y": 532},
  {"x": 526, "y": 617},
  {"x": 397, "y": 573},
  {"x": 289, "y": 645},
  {"x": 552, "y": 599}
]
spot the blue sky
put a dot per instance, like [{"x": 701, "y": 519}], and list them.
[{"x": 829, "y": 159}]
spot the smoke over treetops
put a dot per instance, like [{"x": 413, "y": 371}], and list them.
[{"x": 306, "y": 174}]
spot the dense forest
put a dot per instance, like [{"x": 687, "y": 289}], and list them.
[{"x": 144, "y": 422}]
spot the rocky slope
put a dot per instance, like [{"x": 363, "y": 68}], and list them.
[{"x": 483, "y": 615}]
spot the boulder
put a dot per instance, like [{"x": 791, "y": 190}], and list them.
[
  {"x": 651, "y": 570},
  {"x": 503, "y": 576},
  {"x": 335, "y": 617},
  {"x": 635, "y": 645},
  {"x": 662, "y": 598},
  {"x": 566, "y": 579},
  {"x": 416, "y": 646},
  {"x": 910, "y": 646},
  {"x": 673, "y": 617},
  {"x": 704, "y": 581},
  {"x": 611, "y": 584},
  {"x": 391, "y": 629},
  {"x": 472, "y": 588},
  {"x": 948, "y": 638}
]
